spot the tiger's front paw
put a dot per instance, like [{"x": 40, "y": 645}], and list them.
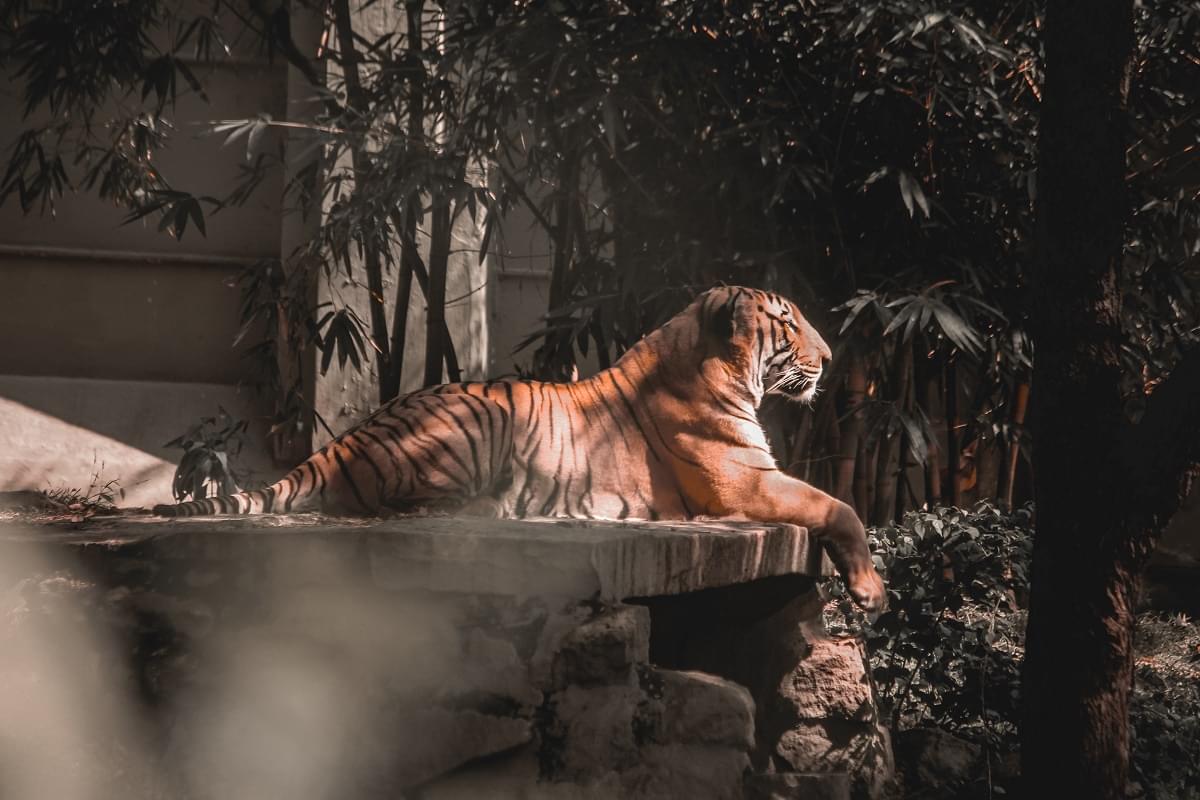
[{"x": 867, "y": 590}]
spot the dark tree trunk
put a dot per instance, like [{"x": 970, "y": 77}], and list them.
[{"x": 1104, "y": 487}]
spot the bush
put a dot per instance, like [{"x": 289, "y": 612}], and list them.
[{"x": 947, "y": 653}]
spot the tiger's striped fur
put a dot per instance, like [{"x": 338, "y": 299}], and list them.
[{"x": 669, "y": 432}]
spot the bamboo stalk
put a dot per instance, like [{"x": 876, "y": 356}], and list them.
[
  {"x": 1020, "y": 406},
  {"x": 953, "y": 447},
  {"x": 435, "y": 319},
  {"x": 356, "y": 97},
  {"x": 850, "y": 445}
]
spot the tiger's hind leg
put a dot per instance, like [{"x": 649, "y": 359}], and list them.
[{"x": 428, "y": 450}]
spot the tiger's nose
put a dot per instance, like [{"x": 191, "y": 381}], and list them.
[{"x": 825, "y": 353}]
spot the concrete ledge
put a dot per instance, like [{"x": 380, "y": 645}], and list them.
[{"x": 563, "y": 558}]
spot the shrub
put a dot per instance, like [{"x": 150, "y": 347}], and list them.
[{"x": 947, "y": 653}]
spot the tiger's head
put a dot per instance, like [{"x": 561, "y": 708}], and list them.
[{"x": 768, "y": 341}]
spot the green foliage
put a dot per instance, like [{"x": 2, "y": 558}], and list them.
[
  {"x": 207, "y": 449},
  {"x": 946, "y": 653}
]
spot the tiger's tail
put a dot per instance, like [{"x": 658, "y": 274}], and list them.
[{"x": 291, "y": 493}]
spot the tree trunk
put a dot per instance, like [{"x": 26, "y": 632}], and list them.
[{"x": 1088, "y": 547}]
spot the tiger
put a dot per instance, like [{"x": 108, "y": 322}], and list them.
[{"x": 670, "y": 431}]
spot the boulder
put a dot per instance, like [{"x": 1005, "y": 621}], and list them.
[
  {"x": 703, "y": 709},
  {"x": 930, "y": 757},
  {"x": 672, "y": 771},
  {"x": 592, "y": 732},
  {"x": 603, "y": 649},
  {"x": 798, "y": 786},
  {"x": 438, "y": 740},
  {"x": 820, "y": 714}
]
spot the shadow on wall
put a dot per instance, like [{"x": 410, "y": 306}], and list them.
[{"x": 69, "y": 432}]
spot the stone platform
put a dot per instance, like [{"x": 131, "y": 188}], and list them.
[
  {"x": 551, "y": 557},
  {"x": 427, "y": 657}
]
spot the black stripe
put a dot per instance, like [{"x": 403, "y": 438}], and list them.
[
  {"x": 632, "y": 415},
  {"x": 422, "y": 434},
  {"x": 494, "y": 437},
  {"x": 436, "y": 410},
  {"x": 413, "y": 440},
  {"x": 608, "y": 407},
  {"x": 359, "y": 450},
  {"x": 397, "y": 467},
  {"x": 349, "y": 479}
]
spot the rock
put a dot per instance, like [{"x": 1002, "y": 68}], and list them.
[
  {"x": 515, "y": 777},
  {"x": 439, "y": 740},
  {"x": 798, "y": 786},
  {"x": 604, "y": 649},
  {"x": 822, "y": 715},
  {"x": 932, "y": 757},
  {"x": 831, "y": 681},
  {"x": 491, "y": 672},
  {"x": 838, "y": 746},
  {"x": 593, "y": 732},
  {"x": 671, "y": 771},
  {"x": 703, "y": 709},
  {"x": 550, "y": 638}
]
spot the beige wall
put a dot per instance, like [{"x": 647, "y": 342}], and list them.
[{"x": 116, "y": 338}]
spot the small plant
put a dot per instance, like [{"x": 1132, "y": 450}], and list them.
[
  {"x": 207, "y": 449},
  {"x": 100, "y": 496}
]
